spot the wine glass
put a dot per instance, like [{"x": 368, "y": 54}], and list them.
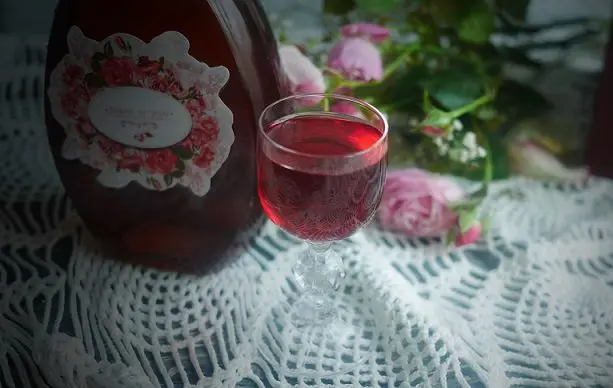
[{"x": 322, "y": 163}]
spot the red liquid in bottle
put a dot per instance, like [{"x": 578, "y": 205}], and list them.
[
  {"x": 151, "y": 109},
  {"x": 329, "y": 193}
]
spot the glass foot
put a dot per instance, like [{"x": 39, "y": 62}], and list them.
[{"x": 316, "y": 341}]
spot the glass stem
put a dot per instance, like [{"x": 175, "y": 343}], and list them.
[
  {"x": 317, "y": 271},
  {"x": 320, "y": 251}
]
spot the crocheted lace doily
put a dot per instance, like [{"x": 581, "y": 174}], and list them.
[{"x": 529, "y": 305}]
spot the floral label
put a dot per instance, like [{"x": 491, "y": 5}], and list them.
[
  {"x": 139, "y": 117},
  {"x": 142, "y": 112}
]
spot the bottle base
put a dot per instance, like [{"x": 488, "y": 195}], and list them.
[{"x": 174, "y": 249}]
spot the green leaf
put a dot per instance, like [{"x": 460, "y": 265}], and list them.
[
  {"x": 377, "y": 6},
  {"x": 96, "y": 66},
  {"x": 467, "y": 219},
  {"x": 339, "y": 7},
  {"x": 161, "y": 60},
  {"x": 454, "y": 88},
  {"x": 477, "y": 25},
  {"x": 108, "y": 50},
  {"x": 94, "y": 80},
  {"x": 437, "y": 118},
  {"x": 180, "y": 166},
  {"x": 400, "y": 91},
  {"x": 168, "y": 180},
  {"x": 182, "y": 152}
]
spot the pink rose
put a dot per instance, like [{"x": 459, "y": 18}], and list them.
[
  {"x": 196, "y": 107},
  {"x": 164, "y": 83},
  {"x": 357, "y": 59},
  {"x": 118, "y": 71},
  {"x": 162, "y": 162},
  {"x": 372, "y": 32},
  {"x": 206, "y": 129},
  {"x": 416, "y": 203},
  {"x": 302, "y": 74},
  {"x": 471, "y": 236},
  {"x": 203, "y": 158}
]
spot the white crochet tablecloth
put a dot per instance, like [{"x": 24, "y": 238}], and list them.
[{"x": 531, "y": 305}]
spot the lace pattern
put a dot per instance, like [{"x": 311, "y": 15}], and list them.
[{"x": 529, "y": 305}]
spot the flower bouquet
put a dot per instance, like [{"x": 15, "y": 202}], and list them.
[{"x": 435, "y": 69}]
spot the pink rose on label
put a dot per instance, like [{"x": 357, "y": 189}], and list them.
[
  {"x": 74, "y": 103},
  {"x": 165, "y": 84},
  {"x": 73, "y": 75},
  {"x": 416, "y": 203},
  {"x": 203, "y": 158},
  {"x": 118, "y": 71},
  {"x": 196, "y": 107},
  {"x": 162, "y": 162}
]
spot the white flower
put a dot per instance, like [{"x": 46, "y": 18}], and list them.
[
  {"x": 481, "y": 152},
  {"x": 470, "y": 141},
  {"x": 457, "y": 125}
]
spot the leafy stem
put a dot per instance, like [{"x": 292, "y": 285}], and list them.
[
  {"x": 488, "y": 168},
  {"x": 486, "y": 98},
  {"x": 392, "y": 67}
]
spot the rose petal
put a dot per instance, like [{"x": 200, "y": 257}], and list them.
[
  {"x": 416, "y": 203},
  {"x": 373, "y": 32},
  {"x": 303, "y": 75},
  {"x": 356, "y": 59}
]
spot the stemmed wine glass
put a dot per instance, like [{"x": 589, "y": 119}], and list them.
[{"x": 322, "y": 162}]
